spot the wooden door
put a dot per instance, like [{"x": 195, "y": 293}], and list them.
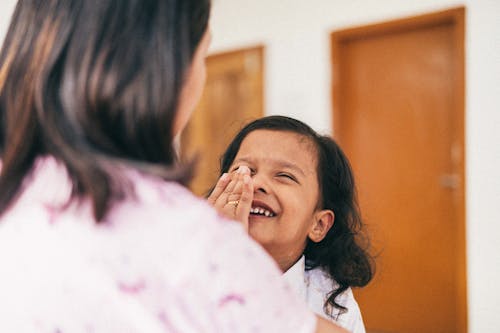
[
  {"x": 232, "y": 97},
  {"x": 398, "y": 97}
]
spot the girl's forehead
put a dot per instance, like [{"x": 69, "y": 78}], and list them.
[
  {"x": 270, "y": 139},
  {"x": 288, "y": 145}
]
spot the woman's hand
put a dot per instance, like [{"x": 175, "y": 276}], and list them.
[{"x": 233, "y": 195}]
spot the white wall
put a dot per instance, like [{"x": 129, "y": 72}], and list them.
[
  {"x": 6, "y": 9},
  {"x": 296, "y": 35}
]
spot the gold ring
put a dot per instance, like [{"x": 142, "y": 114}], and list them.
[{"x": 234, "y": 203}]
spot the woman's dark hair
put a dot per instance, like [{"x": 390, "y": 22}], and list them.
[
  {"x": 343, "y": 252},
  {"x": 95, "y": 83}
]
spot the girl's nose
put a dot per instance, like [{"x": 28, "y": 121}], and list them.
[{"x": 260, "y": 184}]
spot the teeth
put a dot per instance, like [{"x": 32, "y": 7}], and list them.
[{"x": 261, "y": 211}]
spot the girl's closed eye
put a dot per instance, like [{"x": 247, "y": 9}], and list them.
[{"x": 288, "y": 176}]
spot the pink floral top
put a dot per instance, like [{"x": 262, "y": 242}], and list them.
[{"x": 162, "y": 261}]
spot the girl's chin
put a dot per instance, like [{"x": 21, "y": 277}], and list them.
[{"x": 260, "y": 232}]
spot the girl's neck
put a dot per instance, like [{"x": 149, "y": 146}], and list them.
[
  {"x": 285, "y": 262},
  {"x": 284, "y": 259}
]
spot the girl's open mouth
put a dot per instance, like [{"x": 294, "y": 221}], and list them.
[{"x": 261, "y": 209}]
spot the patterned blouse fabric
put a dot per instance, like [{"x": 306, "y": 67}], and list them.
[
  {"x": 314, "y": 286},
  {"x": 162, "y": 261}
]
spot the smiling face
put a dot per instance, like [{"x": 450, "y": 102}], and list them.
[{"x": 285, "y": 207}]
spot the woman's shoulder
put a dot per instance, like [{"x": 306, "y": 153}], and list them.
[
  {"x": 161, "y": 240},
  {"x": 218, "y": 253},
  {"x": 148, "y": 205},
  {"x": 168, "y": 208},
  {"x": 151, "y": 195}
]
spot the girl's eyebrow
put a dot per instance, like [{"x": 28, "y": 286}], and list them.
[{"x": 275, "y": 162}]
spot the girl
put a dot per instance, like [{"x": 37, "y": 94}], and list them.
[
  {"x": 303, "y": 211},
  {"x": 96, "y": 232}
]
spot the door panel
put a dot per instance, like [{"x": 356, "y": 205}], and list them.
[
  {"x": 232, "y": 97},
  {"x": 399, "y": 116}
]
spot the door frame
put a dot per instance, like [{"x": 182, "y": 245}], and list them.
[{"x": 455, "y": 17}]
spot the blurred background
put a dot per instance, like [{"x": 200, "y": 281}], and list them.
[{"x": 411, "y": 90}]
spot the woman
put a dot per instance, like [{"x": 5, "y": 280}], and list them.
[{"x": 96, "y": 232}]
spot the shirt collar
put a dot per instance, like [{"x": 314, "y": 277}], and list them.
[{"x": 295, "y": 277}]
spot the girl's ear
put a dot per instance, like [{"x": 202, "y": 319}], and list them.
[{"x": 323, "y": 221}]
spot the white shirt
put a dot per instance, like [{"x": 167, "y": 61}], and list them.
[{"x": 314, "y": 286}]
